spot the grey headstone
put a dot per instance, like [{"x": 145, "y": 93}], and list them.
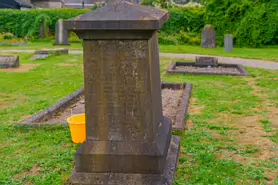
[
  {"x": 206, "y": 61},
  {"x": 228, "y": 43},
  {"x": 128, "y": 140},
  {"x": 9, "y": 61},
  {"x": 61, "y": 34},
  {"x": 43, "y": 33},
  {"x": 209, "y": 37}
]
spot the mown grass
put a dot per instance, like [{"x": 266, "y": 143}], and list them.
[
  {"x": 46, "y": 155},
  {"x": 266, "y": 53}
]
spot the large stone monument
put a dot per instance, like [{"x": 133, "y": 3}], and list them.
[
  {"x": 129, "y": 141},
  {"x": 209, "y": 37},
  {"x": 61, "y": 34}
]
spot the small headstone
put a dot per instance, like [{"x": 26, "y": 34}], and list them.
[
  {"x": 61, "y": 34},
  {"x": 209, "y": 37},
  {"x": 206, "y": 61},
  {"x": 9, "y": 61},
  {"x": 228, "y": 43},
  {"x": 43, "y": 33}
]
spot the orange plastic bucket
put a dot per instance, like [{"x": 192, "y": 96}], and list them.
[{"x": 77, "y": 125}]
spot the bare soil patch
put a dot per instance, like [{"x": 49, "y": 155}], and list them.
[
  {"x": 8, "y": 100},
  {"x": 22, "y": 69},
  {"x": 32, "y": 172},
  {"x": 66, "y": 65}
]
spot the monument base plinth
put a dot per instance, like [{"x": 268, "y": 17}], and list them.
[{"x": 167, "y": 178}]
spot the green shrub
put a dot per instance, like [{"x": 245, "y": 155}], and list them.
[
  {"x": 253, "y": 23},
  {"x": 27, "y": 23}
]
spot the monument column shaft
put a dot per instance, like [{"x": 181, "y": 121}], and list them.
[{"x": 122, "y": 89}]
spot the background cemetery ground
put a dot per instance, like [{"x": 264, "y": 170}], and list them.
[
  {"x": 266, "y": 53},
  {"x": 231, "y": 136}
]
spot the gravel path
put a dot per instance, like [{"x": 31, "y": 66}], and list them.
[{"x": 246, "y": 62}]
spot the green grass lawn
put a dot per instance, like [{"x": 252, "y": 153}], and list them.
[
  {"x": 267, "y": 53},
  {"x": 231, "y": 135}
]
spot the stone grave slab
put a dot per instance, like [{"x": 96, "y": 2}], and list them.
[
  {"x": 9, "y": 61},
  {"x": 206, "y": 61},
  {"x": 43, "y": 54}
]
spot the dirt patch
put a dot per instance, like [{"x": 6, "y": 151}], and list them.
[
  {"x": 271, "y": 176},
  {"x": 257, "y": 90},
  {"x": 273, "y": 117},
  {"x": 66, "y": 65},
  {"x": 22, "y": 69},
  {"x": 72, "y": 60},
  {"x": 8, "y": 100},
  {"x": 195, "y": 109},
  {"x": 32, "y": 172},
  {"x": 249, "y": 133}
]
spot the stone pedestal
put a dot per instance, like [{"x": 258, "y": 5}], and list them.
[
  {"x": 129, "y": 141},
  {"x": 228, "y": 43},
  {"x": 61, "y": 34},
  {"x": 209, "y": 37}
]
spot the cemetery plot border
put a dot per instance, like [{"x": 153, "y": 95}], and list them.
[
  {"x": 223, "y": 69},
  {"x": 41, "y": 119},
  {"x": 181, "y": 114}
]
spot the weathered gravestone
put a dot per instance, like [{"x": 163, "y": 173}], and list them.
[
  {"x": 9, "y": 61},
  {"x": 228, "y": 43},
  {"x": 206, "y": 61},
  {"x": 61, "y": 34},
  {"x": 129, "y": 141},
  {"x": 43, "y": 29},
  {"x": 209, "y": 37}
]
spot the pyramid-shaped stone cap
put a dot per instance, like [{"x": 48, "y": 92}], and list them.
[{"x": 120, "y": 15}]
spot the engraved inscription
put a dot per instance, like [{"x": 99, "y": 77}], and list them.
[{"x": 117, "y": 87}]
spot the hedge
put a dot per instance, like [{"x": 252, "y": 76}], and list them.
[
  {"x": 252, "y": 23},
  {"x": 27, "y": 23}
]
